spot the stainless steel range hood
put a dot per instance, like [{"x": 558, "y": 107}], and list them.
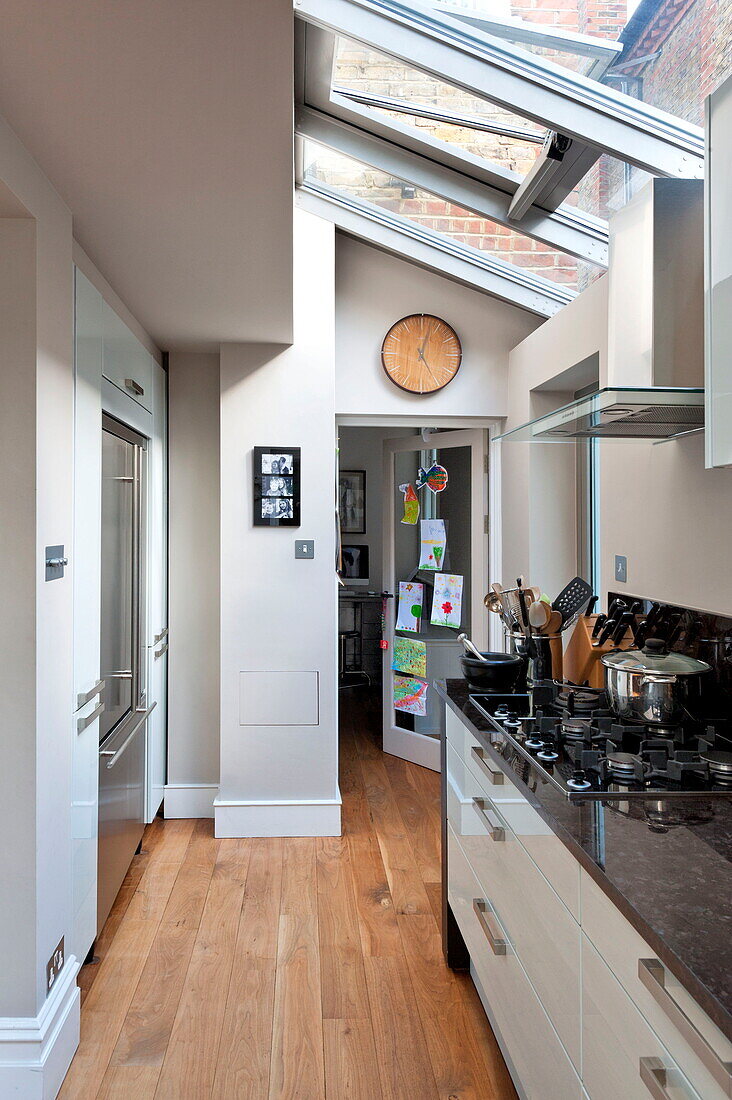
[{"x": 649, "y": 413}]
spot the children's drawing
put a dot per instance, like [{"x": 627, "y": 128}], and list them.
[
  {"x": 410, "y": 695},
  {"x": 447, "y": 600},
  {"x": 410, "y": 657},
  {"x": 409, "y": 613},
  {"x": 411, "y": 504},
  {"x": 435, "y": 478},
  {"x": 433, "y": 544}
]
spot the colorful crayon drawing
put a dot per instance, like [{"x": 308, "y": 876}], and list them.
[
  {"x": 410, "y": 695},
  {"x": 410, "y": 657},
  {"x": 435, "y": 478},
  {"x": 447, "y": 600},
  {"x": 409, "y": 614},
  {"x": 433, "y": 544},
  {"x": 411, "y": 505}
]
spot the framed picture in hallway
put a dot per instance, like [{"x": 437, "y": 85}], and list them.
[
  {"x": 352, "y": 501},
  {"x": 276, "y": 486}
]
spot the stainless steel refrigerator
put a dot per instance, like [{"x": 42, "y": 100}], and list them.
[{"x": 122, "y": 725}]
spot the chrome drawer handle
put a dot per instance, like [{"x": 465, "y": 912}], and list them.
[
  {"x": 494, "y": 774},
  {"x": 653, "y": 975},
  {"x": 82, "y": 724},
  {"x": 134, "y": 386},
  {"x": 160, "y": 652},
  {"x": 159, "y": 637},
  {"x": 655, "y": 1076},
  {"x": 86, "y": 696},
  {"x": 496, "y": 832},
  {"x": 484, "y": 913}
]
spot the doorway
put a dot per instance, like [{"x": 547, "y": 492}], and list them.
[{"x": 389, "y": 457}]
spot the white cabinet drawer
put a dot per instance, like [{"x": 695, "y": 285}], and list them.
[
  {"x": 622, "y": 948},
  {"x": 619, "y": 1049},
  {"x": 125, "y": 361},
  {"x": 550, "y": 855},
  {"x": 494, "y": 780},
  {"x": 542, "y": 931},
  {"x": 539, "y": 1059}
]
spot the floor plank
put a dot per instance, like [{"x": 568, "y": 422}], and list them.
[
  {"x": 189, "y": 1067},
  {"x": 341, "y": 956},
  {"x": 297, "y": 1068},
  {"x": 404, "y": 1064},
  {"x": 351, "y": 1069},
  {"x": 243, "y": 1063}
]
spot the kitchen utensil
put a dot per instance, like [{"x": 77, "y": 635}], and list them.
[
  {"x": 539, "y": 615},
  {"x": 494, "y": 671},
  {"x": 522, "y": 604},
  {"x": 469, "y": 648},
  {"x": 652, "y": 685},
  {"x": 573, "y": 599},
  {"x": 599, "y": 623},
  {"x": 591, "y": 607},
  {"x": 493, "y": 603},
  {"x": 534, "y": 593},
  {"x": 555, "y": 623}
]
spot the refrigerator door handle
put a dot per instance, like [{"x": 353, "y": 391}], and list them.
[{"x": 116, "y": 753}]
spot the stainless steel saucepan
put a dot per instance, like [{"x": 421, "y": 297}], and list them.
[{"x": 652, "y": 685}]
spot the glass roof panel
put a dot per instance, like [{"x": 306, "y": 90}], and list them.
[
  {"x": 364, "y": 71},
  {"x": 350, "y": 177}
]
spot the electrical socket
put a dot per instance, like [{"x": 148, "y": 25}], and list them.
[
  {"x": 55, "y": 965},
  {"x": 621, "y": 568}
]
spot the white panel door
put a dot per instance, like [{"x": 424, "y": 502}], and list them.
[
  {"x": 86, "y": 564},
  {"x": 463, "y": 505}
]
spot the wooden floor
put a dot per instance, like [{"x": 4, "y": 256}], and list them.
[{"x": 300, "y": 968}]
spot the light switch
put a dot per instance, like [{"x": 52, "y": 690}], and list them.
[
  {"x": 621, "y": 568},
  {"x": 304, "y": 548}
]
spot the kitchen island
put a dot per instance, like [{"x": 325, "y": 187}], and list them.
[{"x": 598, "y": 934}]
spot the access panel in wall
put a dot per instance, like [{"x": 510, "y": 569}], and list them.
[{"x": 275, "y": 698}]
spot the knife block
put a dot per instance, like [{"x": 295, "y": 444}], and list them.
[{"x": 582, "y": 659}]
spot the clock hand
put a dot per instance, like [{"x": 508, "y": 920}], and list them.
[{"x": 421, "y": 356}]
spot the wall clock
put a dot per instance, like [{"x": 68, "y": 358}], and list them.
[{"x": 421, "y": 353}]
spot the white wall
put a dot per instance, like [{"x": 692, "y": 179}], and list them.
[
  {"x": 194, "y": 594},
  {"x": 36, "y": 415},
  {"x": 373, "y": 290},
  {"x": 538, "y": 482},
  {"x": 277, "y": 613},
  {"x": 672, "y": 518}
]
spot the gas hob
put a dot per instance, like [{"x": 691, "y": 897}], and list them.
[{"x": 570, "y": 737}]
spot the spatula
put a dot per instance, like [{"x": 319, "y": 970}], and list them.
[{"x": 573, "y": 599}]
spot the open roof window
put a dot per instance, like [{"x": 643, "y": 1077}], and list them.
[
  {"x": 504, "y": 120},
  {"x": 395, "y": 91}
]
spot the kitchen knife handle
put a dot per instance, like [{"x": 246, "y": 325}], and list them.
[
  {"x": 599, "y": 623},
  {"x": 607, "y": 630}
]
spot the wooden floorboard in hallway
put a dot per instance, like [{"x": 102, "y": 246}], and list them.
[{"x": 278, "y": 969}]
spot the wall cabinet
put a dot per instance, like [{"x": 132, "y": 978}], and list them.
[
  {"x": 567, "y": 982},
  {"x": 718, "y": 278},
  {"x": 126, "y": 362}
]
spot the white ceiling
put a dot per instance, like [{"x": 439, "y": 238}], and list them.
[{"x": 166, "y": 126}]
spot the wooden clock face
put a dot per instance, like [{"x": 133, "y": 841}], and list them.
[{"x": 421, "y": 353}]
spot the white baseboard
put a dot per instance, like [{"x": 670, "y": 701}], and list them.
[
  {"x": 36, "y": 1051},
  {"x": 190, "y": 799},
  {"x": 295, "y": 818}
]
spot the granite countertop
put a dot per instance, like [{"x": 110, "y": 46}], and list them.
[{"x": 674, "y": 887}]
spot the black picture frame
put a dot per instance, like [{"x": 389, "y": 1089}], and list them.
[
  {"x": 353, "y": 513},
  {"x": 276, "y": 486}
]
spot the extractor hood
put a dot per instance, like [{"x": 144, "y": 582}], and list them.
[{"x": 649, "y": 413}]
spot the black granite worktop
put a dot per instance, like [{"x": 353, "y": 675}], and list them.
[{"x": 674, "y": 887}]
